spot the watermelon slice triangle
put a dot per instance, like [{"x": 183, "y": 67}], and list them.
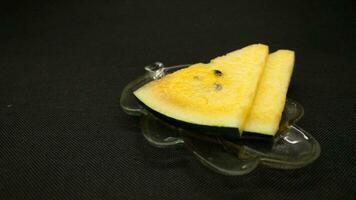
[
  {"x": 220, "y": 93},
  {"x": 266, "y": 112}
]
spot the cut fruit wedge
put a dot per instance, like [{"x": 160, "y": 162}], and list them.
[
  {"x": 220, "y": 93},
  {"x": 269, "y": 102}
]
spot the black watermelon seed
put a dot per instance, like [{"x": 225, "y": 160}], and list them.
[{"x": 217, "y": 72}]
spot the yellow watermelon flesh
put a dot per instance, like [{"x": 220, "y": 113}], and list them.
[
  {"x": 265, "y": 114},
  {"x": 219, "y": 93}
]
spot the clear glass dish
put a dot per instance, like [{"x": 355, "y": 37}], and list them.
[{"x": 290, "y": 148}]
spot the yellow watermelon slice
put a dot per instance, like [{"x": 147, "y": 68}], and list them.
[
  {"x": 266, "y": 112},
  {"x": 219, "y": 93}
]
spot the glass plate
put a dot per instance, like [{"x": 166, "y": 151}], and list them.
[{"x": 290, "y": 148}]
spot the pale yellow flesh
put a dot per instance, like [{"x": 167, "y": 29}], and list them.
[
  {"x": 265, "y": 114},
  {"x": 190, "y": 94}
]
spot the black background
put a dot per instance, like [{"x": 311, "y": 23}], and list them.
[{"x": 63, "y": 66}]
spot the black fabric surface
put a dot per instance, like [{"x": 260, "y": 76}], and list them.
[{"x": 64, "y": 64}]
